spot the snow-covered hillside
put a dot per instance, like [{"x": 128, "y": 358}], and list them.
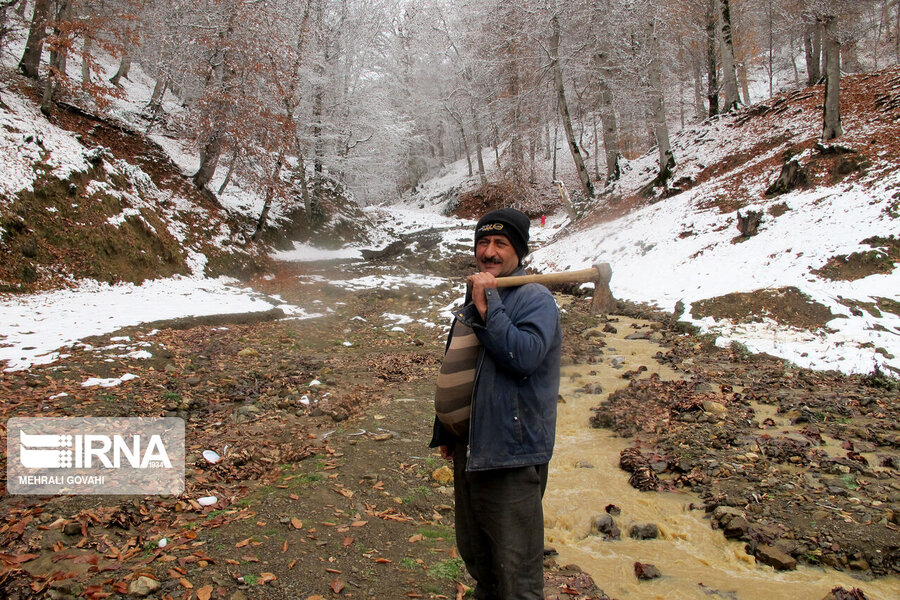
[{"x": 686, "y": 248}]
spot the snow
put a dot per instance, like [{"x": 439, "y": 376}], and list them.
[{"x": 37, "y": 327}]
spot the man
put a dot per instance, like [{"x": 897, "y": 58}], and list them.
[{"x": 496, "y": 413}]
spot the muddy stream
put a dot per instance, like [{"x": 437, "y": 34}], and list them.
[{"x": 695, "y": 560}]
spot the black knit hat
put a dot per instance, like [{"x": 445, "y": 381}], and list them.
[{"x": 510, "y": 222}]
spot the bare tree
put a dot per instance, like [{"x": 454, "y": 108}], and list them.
[{"x": 584, "y": 177}]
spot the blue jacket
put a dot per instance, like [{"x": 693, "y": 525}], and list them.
[{"x": 513, "y": 413}]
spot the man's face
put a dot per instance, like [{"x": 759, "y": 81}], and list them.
[{"x": 496, "y": 255}]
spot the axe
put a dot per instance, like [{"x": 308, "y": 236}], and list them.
[
  {"x": 599, "y": 273},
  {"x": 595, "y": 273}
]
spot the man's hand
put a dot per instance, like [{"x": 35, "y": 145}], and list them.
[
  {"x": 447, "y": 452},
  {"x": 479, "y": 283}
]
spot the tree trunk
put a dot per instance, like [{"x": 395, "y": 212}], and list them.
[
  {"x": 548, "y": 149},
  {"x": 159, "y": 92},
  {"x": 712, "y": 75},
  {"x": 586, "y": 186},
  {"x": 658, "y": 109},
  {"x": 124, "y": 67},
  {"x": 57, "y": 59},
  {"x": 699, "y": 107},
  {"x": 465, "y": 144},
  {"x": 209, "y": 158},
  {"x": 832, "y": 119},
  {"x": 555, "y": 146},
  {"x": 610, "y": 133},
  {"x": 86, "y": 62},
  {"x": 812, "y": 46},
  {"x": 479, "y": 147},
  {"x": 745, "y": 83},
  {"x": 29, "y": 66},
  {"x": 732, "y": 97},
  {"x": 270, "y": 193},
  {"x": 231, "y": 165},
  {"x": 304, "y": 186},
  {"x": 596, "y": 148}
]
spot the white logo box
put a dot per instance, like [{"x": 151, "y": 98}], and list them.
[{"x": 95, "y": 455}]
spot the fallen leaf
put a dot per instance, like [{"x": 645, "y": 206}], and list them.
[
  {"x": 336, "y": 571},
  {"x": 416, "y": 538},
  {"x": 297, "y": 523},
  {"x": 284, "y": 546},
  {"x": 231, "y": 561},
  {"x": 243, "y": 543},
  {"x": 382, "y": 560},
  {"x": 453, "y": 552},
  {"x": 358, "y": 523},
  {"x": 186, "y": 583},
  {"x": 266, "y": 577},
  {"x": 205, "y": 593},
  {"x": 292, "y": 563},
  {"x": 294, "y": 497},
  {"x": 344, "y": 492},
  {"x": 348, "y": 541},
  {"x": 461, "y": 591},
  {"x": 336, "y": 586}
]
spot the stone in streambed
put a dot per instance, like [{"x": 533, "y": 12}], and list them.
[
  {"x": 644, "y": 532},
  {"x": 772, "y": 556},
  {"x": 646, "y": 571}
]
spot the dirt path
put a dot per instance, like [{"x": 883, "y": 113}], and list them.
[{"x": 327, "y": 488}]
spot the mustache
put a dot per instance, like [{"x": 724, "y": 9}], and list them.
[{"x": 494, "y": 260}]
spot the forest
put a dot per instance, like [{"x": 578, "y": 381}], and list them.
[{"x": 379, "y": 95}]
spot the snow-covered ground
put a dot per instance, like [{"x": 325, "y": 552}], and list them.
[{"x": 37, "y": 328}]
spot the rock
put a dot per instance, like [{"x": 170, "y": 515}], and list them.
[
  {"x": 638, "y": 335},
  {"x": 244, "y": 413},
  {"x": 715, "y": 408},
  {"x": 736, "y": 527},
  {"x": 721, "y": 512},
  {"x": 644, "y": 532},
  {"x": 583, "y": 465},
  {"x": 73, "y": 528},
  {"x": 617, "y": 362},
  {"x": 442, "y": 475},
  {"x": 644, "y": 479},
  {"x": 613, "y": 510},
  {"x": 839, "y": 593},
  {"x": 772, "y": 556},
  {"x": 646, "y": 571},
  {"x": 605, "y": 525},
  {"x": 143, "y": 586},
  {"x": 610, "y": 329}
]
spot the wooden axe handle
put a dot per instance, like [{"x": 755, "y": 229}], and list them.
[{"x": 582, "y": 276}]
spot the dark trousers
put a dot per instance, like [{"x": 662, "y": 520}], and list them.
[{"x": 500, "y": 529}]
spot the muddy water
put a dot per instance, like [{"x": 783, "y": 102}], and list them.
[{"x": 696, "y": 561}]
